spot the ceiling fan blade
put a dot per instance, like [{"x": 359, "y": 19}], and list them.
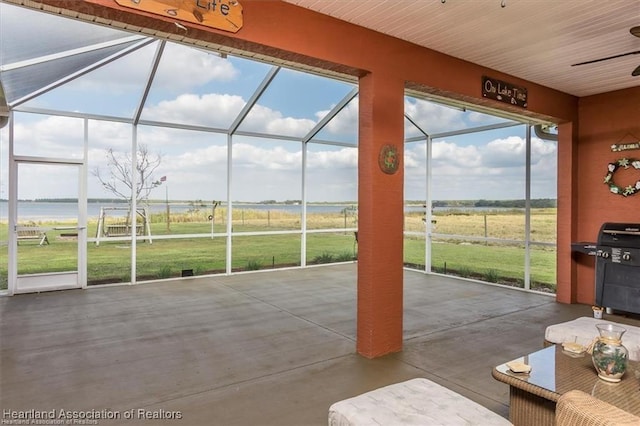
[
  {"x": 607, "y": 58},
  {"x": 636, "y": 72},
  {"x": 635, "y": 31}
]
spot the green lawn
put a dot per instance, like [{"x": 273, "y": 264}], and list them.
[
  {"x": 493, "y": 263},
  {"x": 110, "y": 261}
]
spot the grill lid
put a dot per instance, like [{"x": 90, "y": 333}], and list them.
[{"x": 619, "y": 235}]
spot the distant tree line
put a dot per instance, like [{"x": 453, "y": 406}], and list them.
[{"x": 538, "y": 203}]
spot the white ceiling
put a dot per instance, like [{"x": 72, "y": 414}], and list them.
[{"x": 537, "y": 40}]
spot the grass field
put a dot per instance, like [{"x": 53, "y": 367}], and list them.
[{"x": 191, "y": 248}]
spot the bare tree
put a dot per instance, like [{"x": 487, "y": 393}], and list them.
[{"x": 120, "y": 179}]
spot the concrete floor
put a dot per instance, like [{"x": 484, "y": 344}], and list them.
[{"x": 261, "y": 348}]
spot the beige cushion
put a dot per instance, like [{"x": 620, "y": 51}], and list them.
[
  {"x": 583, "y": 330},
  {"x": 414, "y": 402}
]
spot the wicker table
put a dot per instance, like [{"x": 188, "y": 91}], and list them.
[{"x": 533, "y": 396}]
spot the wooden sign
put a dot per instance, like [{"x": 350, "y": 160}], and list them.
[
  {"x": 625, "y": 146},
  {"x": 220, "y": 14},
  {"x": 504, "y": 92}
]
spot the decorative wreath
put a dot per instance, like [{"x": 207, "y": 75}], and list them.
[{"x": 624, "y": 163}]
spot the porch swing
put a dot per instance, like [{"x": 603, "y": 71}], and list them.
[{"x": 117, "y": 228}]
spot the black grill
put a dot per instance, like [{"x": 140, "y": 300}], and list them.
[{"x": 618, "y": 267}]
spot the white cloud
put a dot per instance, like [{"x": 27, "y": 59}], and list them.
[
  {"x": 415, "y": 155},
  {"x": 50, "y": 137},
  {"x": 332, "y": 175},
  {"x": 219, "y": 111},
  {"x": 494, "y": 170},
  {"x": 431, "y": 117},
  {"x": 332, "y": 160},
  {"x": 509, "y": 152},
  {"x": 345, "y": 122},
  {"x": 253, "y": 156},
  {"x": 266, "y": 120},
  {"x": 199, "y": 159},
  {"x": 206, "y": 110},
  {"x": 449, "y": 153},
  {"x": 267, "y": 172},
  {"x": 183, "y": 68}
]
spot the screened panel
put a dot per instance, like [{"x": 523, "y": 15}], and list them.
[
  {"x": 35, "y": 53},
  {"x": 257, "y": 252},
  {"x": 197, "y": 87},
  {"x": 331, "y": 247},
  {"x": 268, "y": 172},
  {"x": 22, "y": 81},
  {"x": 479, "y": 184},
  {"x": 414, "y": 251},
  {"x": 293, "y": 103},
  {"x": 28, "y": 34},
  {"x": 49, "y": 136},
  {"x": 332, "y": 174},
  {"x": 192, "y": 173},
  {"x": 107, "y": 137},
  {"x": 113, "y": 89},
  {"x": 494, "y": 263},
  {"x": 332, "y": 216},
  {"x": 543, "y": 269},
  {"x": 415, "y": 186},
  {"x": 343, "y": 128},
  {"x": 544, "y": 184},
  {"x": 434, "y": 118},
  {"x": 180, "y": 257},
  {"x": 297, "y": 93},
  {"x": 109, "y": 262}
]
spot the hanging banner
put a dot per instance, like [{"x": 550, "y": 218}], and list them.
[{"x": 223, "y": 15}]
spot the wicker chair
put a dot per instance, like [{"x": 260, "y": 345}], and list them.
[{"x": 576, "y": 408}]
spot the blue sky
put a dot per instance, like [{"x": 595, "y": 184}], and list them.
[{"x": 199, "y": 88}]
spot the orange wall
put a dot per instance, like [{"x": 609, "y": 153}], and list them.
[{"x": 604, "y": 119}]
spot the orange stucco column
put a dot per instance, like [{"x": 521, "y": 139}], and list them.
[
  {"x": 380, "y": 217},
  {"x": 567, "y": 213}
]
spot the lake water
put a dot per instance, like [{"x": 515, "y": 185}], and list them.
[{"x": 36, "y": 210}]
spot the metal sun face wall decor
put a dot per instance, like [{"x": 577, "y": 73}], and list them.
[{"x": 388, "y": 159}]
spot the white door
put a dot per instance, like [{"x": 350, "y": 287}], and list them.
[{"x": 48, "y": 234}]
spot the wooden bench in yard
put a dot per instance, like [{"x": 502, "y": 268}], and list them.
[{"x": 32, "y": 232}]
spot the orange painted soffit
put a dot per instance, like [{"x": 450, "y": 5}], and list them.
[{"x": 223, "y": 15}]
